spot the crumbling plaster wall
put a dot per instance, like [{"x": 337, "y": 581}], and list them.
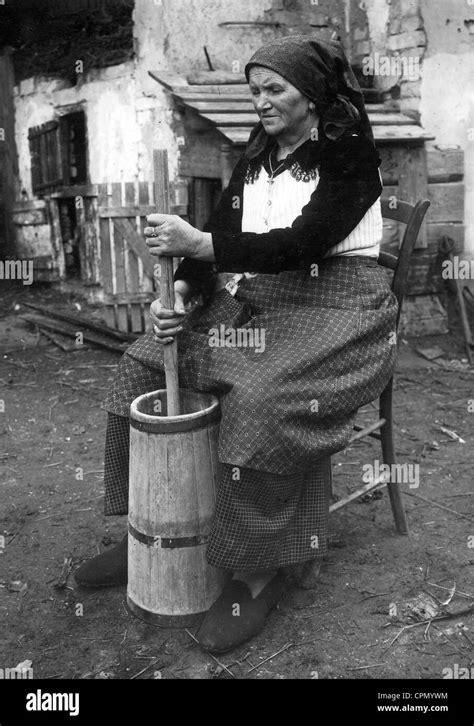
[
  {"x": 441, "y": 34},
  {"x": 170, "y": 35},
  {"x": 447, "y": 91},
  {"x": 114, "y": 133},
  {"x": 128, "y": 113}
]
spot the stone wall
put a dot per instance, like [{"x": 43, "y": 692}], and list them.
[
  {"x": 447, "y": 91},
  {"x": 388, "y": 39}
]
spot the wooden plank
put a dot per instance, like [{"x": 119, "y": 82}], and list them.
[
  {"x": 68, "y": 330},
  {"x": 442, "y": 166},
  {"x": 219, "y": 99},
  {"x": 243, "y": 105},
  {"x": 382, "y": 134},
  {"x": 64, "y": 142},
  {"x": 106, "y": 255},
  {"x": 138, "y": 210},
  {"x": 44, "y": 172},
  {"x": 221, "y": 77},
  {"x": 397, "y": 123},
  {"x": 91, "y": 240},
  {"x": 86, "y": 243},
  {"x": 63, "y": 342},
  {"x": 35, "y": 173},
  {"x": 133, "y": 281},
  {"x": 56, "y": 238},
  {"x": 81, "y": 322},
  {"x": 413, "y": 182},
  {"x": 445, "y": 165},
  {"x": 119, "y": 258},
  {"x": 238, "y": 136},
  {"x": 447, "y": 201},
  {"x": 225, "y": 119},
  {"x": 177, "y": 83},
  {"x": 390, "y": 119},
  {"x": 42, "y": 129},
  {"x": 221, "y": 90},
  {"x": 126, "y": 298},
  {"x": 395, "y": 134},
  {"x": 78, "y": 190},
  {"x": 238, "y": 104},
  {"x": 127, "y": 231},
  {"x": 388, "y": 107}
]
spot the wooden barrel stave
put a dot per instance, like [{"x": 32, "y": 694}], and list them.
[{"x": 173, "y": 481}]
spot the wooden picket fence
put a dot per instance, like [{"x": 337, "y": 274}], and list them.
[{"x": 129, "y": 276}]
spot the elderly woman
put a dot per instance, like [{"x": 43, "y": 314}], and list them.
[{"x": 300, "y": 225}]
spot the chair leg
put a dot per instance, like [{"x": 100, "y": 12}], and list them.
[{"x": 389, "y": 457}]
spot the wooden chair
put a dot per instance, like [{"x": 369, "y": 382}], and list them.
[{"x": 382, "y": 430}]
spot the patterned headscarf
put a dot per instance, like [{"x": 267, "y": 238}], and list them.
[{"x": 321, "y": 72}]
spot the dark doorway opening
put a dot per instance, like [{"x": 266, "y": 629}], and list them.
[
  {"x": 74, "y": 173},
  {"x": 73, "y": 147}
]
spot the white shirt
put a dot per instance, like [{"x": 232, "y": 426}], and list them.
[{"x": 270, "y": 204}]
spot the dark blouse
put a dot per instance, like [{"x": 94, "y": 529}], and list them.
[{"x": 349, "y": 184}]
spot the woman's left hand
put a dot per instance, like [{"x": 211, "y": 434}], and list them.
[{"x": 170, "y": 236}]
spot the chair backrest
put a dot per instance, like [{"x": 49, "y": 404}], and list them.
[{"x": 412, "y": 215}]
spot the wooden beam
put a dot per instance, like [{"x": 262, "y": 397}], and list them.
[
  {"x": 396, "y": 134},
  {"x": 71, "y": 332},
  {"x": 139, "y": 211},
  {"x": 81, "y": 322},
  {"x": 79, "y": 190},
  {"x": 126, "y": 298}
]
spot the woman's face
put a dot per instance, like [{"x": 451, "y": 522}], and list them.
[{"x": 282, "y": 108}]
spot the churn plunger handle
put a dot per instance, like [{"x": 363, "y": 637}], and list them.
[{"x": 170, "y": 351}]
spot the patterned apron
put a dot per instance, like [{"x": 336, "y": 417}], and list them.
[{"x": 291, "y": 357}]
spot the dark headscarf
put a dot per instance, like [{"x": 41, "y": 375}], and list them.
[{"x": 320, "y": 71}]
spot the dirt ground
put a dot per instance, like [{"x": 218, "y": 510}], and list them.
[{"x": 373, "y": 583}]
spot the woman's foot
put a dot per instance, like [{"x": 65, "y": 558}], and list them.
[
  {"x": 237, "y": 615},
  {"x": 109, "y": 568},
  {"x": 255, "y": 581}
]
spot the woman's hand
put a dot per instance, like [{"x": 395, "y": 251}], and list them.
[
  {"x": 167, "y": 323},
  {"x": 170, "y": 236}
]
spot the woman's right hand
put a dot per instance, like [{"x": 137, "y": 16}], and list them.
[{"x": 168, "y": 323}]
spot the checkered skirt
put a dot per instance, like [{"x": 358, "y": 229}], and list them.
[{"x": 286, "y": 405}]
